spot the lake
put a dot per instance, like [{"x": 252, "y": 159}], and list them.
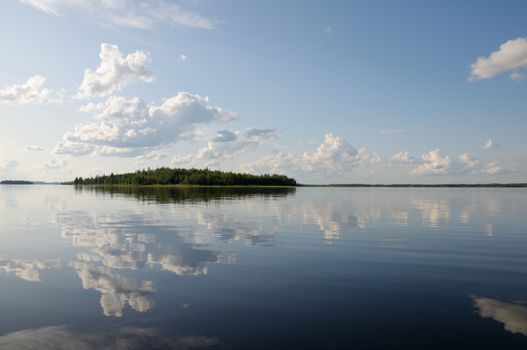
[{"x": 305, "y": 268}]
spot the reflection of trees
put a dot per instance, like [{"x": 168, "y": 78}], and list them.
[
  {"x": 121, "y": 338},
  {"x": 189, "y": 194},
  {"x": 512, "y": 315}
]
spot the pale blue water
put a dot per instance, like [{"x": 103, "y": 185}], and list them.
[{"x": 311, "y": 268}]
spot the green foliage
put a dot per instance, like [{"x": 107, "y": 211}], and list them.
[{"x": 179, "y": 176}]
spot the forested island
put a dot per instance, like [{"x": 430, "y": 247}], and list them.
[
  {"x": 181, "y": 176},
  {"x": 15, "y": 182}
]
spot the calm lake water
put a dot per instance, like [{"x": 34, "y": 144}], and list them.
[{"x": 311, "y": 268}]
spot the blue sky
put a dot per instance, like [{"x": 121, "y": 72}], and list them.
[{"x": 341, "y": 91}]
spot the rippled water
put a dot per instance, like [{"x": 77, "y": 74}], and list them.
[{"x": 311, "y": 268}]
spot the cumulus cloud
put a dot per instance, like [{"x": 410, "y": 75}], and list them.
[
  {"x": 468, "y": 162},
  {"x": 512, "y": 316},
  {"x": 402, "y": 158},
  {"x": 30, "y": 92},
  {"x": 511, "y": 56},
  {"x": 115, "y": 71},
  {"x": 517, "y": 76},
  {"x": 129, "y": 128},
  {"x": 437, "y": 163},
  {"x": 28, "y": 270},
  {"x": 434, "y": 163},
  {"x": 33, "y": 148},
  {"x": 127, "y": 13},
  {"x": 489, "y": 144},
  {"x": 155, "y": 155},
  {"x": 110, "y": 338},
  {"x": 228, "y": 144},
  {"x": 334, "y": 156},
  {"x": 116, "y": 291},
  {"x": 492, "y": 168}
]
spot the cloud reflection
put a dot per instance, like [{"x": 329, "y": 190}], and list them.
[
  {"x": 513, "y": 316},
  {"x": 116, "y": 291},
  {"x": 114, "y": 338},
  {"x": 28, "y": 270}
]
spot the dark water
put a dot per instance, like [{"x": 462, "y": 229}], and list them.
[{"x": 311, "y": 268}]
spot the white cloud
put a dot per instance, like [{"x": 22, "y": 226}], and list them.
[
  {"x": 434, "y": 163},
  {"x": 116, "y": 291},
  {"x": 492, "y": 168},
  {"x": 228, "y": 144},
  {"x": 517, "y": 76},
  {"x": 127, "y": 13},
  {"x": 155, "y": 155},
  {"x": 488, "y": 145},
  {"x": 33, "y": 148},
  {"x": 30, "y": 92},
  {"x": 437, "y": 163},
  {"x": 391, "y": 132},
  {"x": 468, "y": 162},
  {"x": 114, "y": 72},
  {"x": 512, "y": 316},
  {"x": 511, "y": 55},
  {"x": 334, "y": 156},
  {"x": 183, "y": 57},
  {"x": 402, "y": 158},
  {"x": 129, "y": 128},
  {"x": 75, "y": 149}
]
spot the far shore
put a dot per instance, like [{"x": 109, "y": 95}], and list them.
[{"x": 492, "y": 185}]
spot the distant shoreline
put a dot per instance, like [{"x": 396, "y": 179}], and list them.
[
  {"x": 16, "y": 182},
  {"x": 488, "y": 185},
  {"x": 491, "y": 185}
]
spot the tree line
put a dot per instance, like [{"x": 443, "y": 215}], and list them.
[
  {"x": 190, "y": 194},
  {"x": 181, "y": 176}
]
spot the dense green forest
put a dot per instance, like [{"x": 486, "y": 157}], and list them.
[{"x": 179, "y": 176}]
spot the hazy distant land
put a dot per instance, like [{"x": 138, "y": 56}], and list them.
[{"x": 16, "y": 182}]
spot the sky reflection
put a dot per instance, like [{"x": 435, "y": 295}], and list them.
[{"x": 234, "y": 261}]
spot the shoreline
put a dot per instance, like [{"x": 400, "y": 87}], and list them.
[{"x": 492, "y": 185}]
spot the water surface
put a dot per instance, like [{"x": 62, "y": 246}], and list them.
[{"x": 306, "y": 268}]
